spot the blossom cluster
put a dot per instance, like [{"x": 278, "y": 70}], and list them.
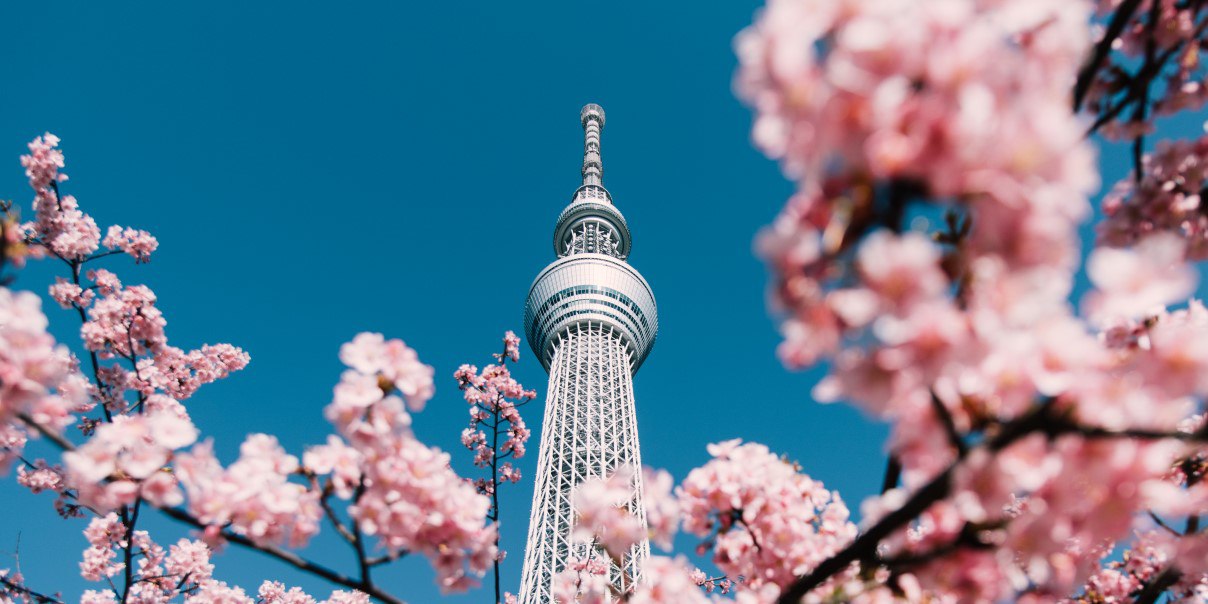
[
  {"x": 960, "y": 97},
  {"x": 1150, "y": 554},
  {"x": 38, "y": 377},
  {"x": 182, "y": 571},
  {"x": 59, "y": 226},
  {"x": 1168, "y": 198},
  {"x": 929, "y": 255},
  {"x": 494, "y": 397},
  {"x": 767, "y": 521},
  {"x": 606, "y": 515},
  {"x": 125, "y": 460},
  {"x": 763, "y": 520},
  {"x": 403, "y": 491},
  {"x": 253, "y": 497},
  {"x": 584, "y": 581}
]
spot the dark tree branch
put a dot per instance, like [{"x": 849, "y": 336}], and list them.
[
  {"x": 1102, "y": 50},
  {"x": 287, "y": 557},
  {"x": 1153, "y": 590},
  {"x": 893, "y": 473}
]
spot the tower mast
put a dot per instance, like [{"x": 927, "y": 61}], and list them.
[{"x": 591, "y": 320}]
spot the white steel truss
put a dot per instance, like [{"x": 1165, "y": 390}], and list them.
[
  {"x": 590, "y": 431},
  {"x": 591, "y": 320}
]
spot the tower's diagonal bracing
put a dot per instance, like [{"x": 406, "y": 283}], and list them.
[{"x": 591, "y": 319}]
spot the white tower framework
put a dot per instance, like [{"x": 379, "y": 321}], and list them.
[{"x": 591, "y": 319}]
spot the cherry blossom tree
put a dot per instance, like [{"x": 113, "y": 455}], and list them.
[
  {"x": 1041, "y": 449},
  {"x": 128, "y": 445},
  {"x": 495, "y": 398}
]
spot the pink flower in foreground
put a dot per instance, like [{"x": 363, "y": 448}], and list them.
[
  {"x": 124, "y": 323},
  {"x": 414, "y": 502},
  {"x": 1131, "y": 283},
  {"x": 667, "y": 581},
  {"x": 38, "y": 378},
  {"x": 662, "y": 507},
  {"x": 180, "y": 374},
  {"x": 273, "y": 592},
  {"x": 411, "y": 500},
  {"x": 584, "y": 581},
  {"x": 42, "y": 477},
  {"x": 960, "y": 96},
  {"x": 604, "y": 509}
]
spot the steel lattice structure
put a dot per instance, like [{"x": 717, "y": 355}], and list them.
[{"x": 591, "y": 320}]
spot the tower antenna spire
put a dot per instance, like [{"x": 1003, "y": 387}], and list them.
[{"x": 592, "y": 118}]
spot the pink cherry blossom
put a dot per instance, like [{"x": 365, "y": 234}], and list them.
[
  {"x": 667, "y": 581},
  {"x": 605, "y": 514},
  {"x": 963, "y": 97},
  {"x": 339, "y": 460},
  {"x": 371, "y": 353},
  {"x": 42, "y": 477},
  {"x": 511, "y": 346},
  {"x": 38, "y": 377},
  {"x": 253, "y": 495},
  {"x": 69, "y": 295},
  {"x": 1131, "y": 283},
  {"x": 414, "y": 502},
  {"x": 584, "y": 581},
  {"x": 410, "y": 500},
  {"x": 139, "y": 244},
  {"x": 273, "y": 592},
  {"x": 44, "y": 161},
  {"x": 662, "y": 507},
  {"x": 104, "y": 534},
  {"x": 124, "y": 323},
  {"x": 1166, "y": 200},
  {"x": 128, "y": 450},
  {"x": 768, "y": 522},
  {"x": 180, "y": 374}
]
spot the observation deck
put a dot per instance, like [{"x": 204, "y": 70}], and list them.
[{"x": 591, "y": 282}]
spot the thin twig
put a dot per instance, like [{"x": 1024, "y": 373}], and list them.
[
  {"x": 954, "y": 437},
  {"x": 1158, "y": 519},
  {"x": 325, "y": 503},
  {"x": 38, "y": 597}
]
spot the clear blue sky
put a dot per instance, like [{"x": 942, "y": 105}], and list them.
[{"x": 314, "y": 171}]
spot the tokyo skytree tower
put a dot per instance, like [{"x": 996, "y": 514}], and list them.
[{"x": 591, "y": 319}]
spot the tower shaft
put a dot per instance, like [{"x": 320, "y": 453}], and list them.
[{"x": 590, "y": 431}]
